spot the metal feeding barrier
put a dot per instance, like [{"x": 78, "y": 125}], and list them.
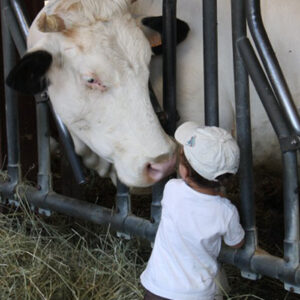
[{"x": 275, "y": 96}]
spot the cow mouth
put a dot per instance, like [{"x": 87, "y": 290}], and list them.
[{"x": 157, "y": 171}]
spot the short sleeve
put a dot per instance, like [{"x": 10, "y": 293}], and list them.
[
  {"x": 235, "y": 233},
  {"x": 166, "y": 193}
]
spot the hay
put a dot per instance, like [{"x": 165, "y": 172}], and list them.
[{"x": 39, "y": 260}]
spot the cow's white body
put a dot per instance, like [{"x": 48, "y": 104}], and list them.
[{"x": 281, "y": 19}]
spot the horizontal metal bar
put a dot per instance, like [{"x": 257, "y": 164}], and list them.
[
  {"x": 262, "y": 263},
  {"x": 129, "y": 224}
]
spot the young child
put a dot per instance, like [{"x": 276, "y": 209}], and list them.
[{"x": 195, "y": 217}]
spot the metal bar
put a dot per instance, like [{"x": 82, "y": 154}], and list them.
[
  {"x": 169, "y": 63},
  {"x": 43, "y": 129},
  {"x": 67, "y": 142},
  {"x": 21, "y": 15},
  {"x": 91, "y": 212},
  {"x": 210, "y": 42},
  {"x": 291, "y": 209},
  {"x": 157, "y": 108},
  {"x": 243, "y": 128},
  {"x": 11, "y": 106},
  {"x": 290, "y": 175},
  {"x": 11, "y": 22},
  {"x": 264, "y": 264},
  {"x": 157, "y": 194},
  {"x": 263, "y": 89},
  {"x": 271, "y": 63},
  {"x": 123, "y": 200}
]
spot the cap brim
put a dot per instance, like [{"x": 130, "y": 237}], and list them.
[{"x": 185, "y": 131}]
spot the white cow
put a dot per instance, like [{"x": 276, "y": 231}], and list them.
[
  {"x": 281, "y": 19},
  {"x": 94, "y": 60}
]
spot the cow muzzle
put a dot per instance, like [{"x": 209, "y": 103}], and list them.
[{"x": 160, "y": 168}]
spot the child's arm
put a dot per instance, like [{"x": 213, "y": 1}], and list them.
[
  {"x": 239, "y": 245},
  {"x": 234, "y": 235}
]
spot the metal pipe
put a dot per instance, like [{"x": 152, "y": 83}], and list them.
[
  {"x": 91, "y": 212},
  {"x": 123, "y": 200},
  {"x": 169, "y": 63},
  {"x": 210, "y": 51},
  {"x": 11, "y": 105},
  {"x": 67, "y": 142},
  {"x": 290, "y": 184},
  {"x": 21, "y": 15},
  {"x": 43, "y": 130},
  {"x": 291, "y": 209},
  {"x": 263, "y": 89},
  {"x": 11, "y": 22},
  {"x": 157, "y": 194},
  {"x": 243, "y": 128},
  {"x": 265, "y": 264},
  {"x": 271, "y": 63}
]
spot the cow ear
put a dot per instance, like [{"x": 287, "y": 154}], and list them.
[
  {"x": 28, "y": 76},
  {"x": 154, "y": 35}
]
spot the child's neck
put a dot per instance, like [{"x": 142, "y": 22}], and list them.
[{"x": 202, "y": 189}]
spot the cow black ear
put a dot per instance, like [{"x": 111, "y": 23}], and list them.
[
  {"x": 156, "y": 24},
  {"x": 28, "y": 76}
]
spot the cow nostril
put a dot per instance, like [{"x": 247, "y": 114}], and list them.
[
  {"x": 154, "y": 172},
  {"x": 157, "y": 171}
]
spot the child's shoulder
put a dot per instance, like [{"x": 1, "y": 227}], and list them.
[
  {"x": 174, "y": 182},
  {"x": 226, "y": 204}
]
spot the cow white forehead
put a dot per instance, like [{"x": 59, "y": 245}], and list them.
[
  {"x": 91, "y": 10},
  {"x": 118, "y": 42}
]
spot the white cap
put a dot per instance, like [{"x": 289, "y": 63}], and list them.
[{"x": 211, "y": 151}]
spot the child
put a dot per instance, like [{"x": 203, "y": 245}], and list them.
[{"x": 195, "y": 217}]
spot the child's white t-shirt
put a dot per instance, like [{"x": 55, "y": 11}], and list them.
[{"x": 183, "y": 263}]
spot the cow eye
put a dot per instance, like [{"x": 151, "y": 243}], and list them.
[
  {"x": 90, "y": 80},
  {"x": 94, "y": 83}
]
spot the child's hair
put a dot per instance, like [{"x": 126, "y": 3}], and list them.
[{"x": 198, "y": 179}]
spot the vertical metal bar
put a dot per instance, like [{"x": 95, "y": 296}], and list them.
[
  {"x": 157, "y": 194},
  {"x": 291, "y": 209},
  {"x": 210, "y": 44},
  {"x": 271, "y": 63},
  {"x": 123, "y": 206},
  {"x": 290, "y": 173},
  {"x": 169, "y": 63},
  {"x": 123, "y": 200},
  {"x": 21, "y": 15},
  {"x": 263, "y": 89},
  {"x": 67, "y": 142},
  {"x": 12, "y": 118},
  {"x": 43, "y": 131},
  {"x": 243, "y": 126},
  {"x": 11, "y": 22}
]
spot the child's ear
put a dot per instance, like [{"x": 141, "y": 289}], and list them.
[{"x": 183, "y": 171}]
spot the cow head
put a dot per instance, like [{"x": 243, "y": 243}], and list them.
[{"x": 93, "y": 58}]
